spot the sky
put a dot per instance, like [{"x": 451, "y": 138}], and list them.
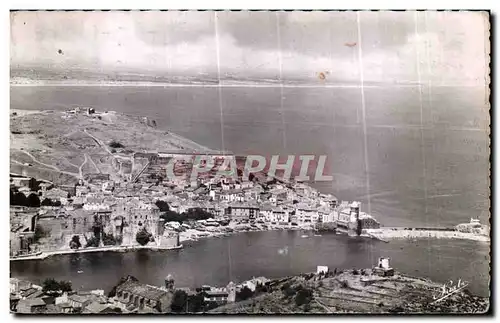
[{"x": 436, "y": 47}]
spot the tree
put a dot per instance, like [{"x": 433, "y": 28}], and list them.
[
  {"x": 304, "y": 296},
  {"x": 92, "y": 242},
  {"x": 143, "y": 237},
  {"x": 195, "y": 304},
  {"x": 50, "y": 285},
  {"x": 20, "y": 199},
  {"x": 75, "y": 242},
  {"x": 65, "y": 286},
  {"x": 173, "y": 216},
  {"x": 288, "y": 290},
  {"x": 54, "y": 287},
  {"x": 49, "y": 202},
  {"x": 261, "y": 288},
  {"x": 109, "y": 239},
  {"x": 33, "y": 200},
  {"x": 244, "y": 293},
  {"x": 179, "y": 301},
  {"x": 39, "y": 233},
  {"x": 115, "y": 144},
  {"x": 197, "y": 214},
  {"x": 12, "y": 197},
  {"x": 162, "y": 205}
]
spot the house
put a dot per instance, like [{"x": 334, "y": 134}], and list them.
[
  {"x": 266, "y": 213},
  {"x": 328, "y": 217},
  {"x": 280, "y": 215},
  {"x": 79, "y": 301},
  {"x": 306, "y": 214},
  {"x": 81, "y": 191},
  {"x": 96, "y": 204},
  {"x": 242, "y": 211},
  {"x": 31, "y": 293},
  {"x": 98, "y": 308},
  {"x": 23, "y": 181},
  {"x": 96, "y": 178},
  {"x": 17, "y": 285},
  {"x": 253, "y": 193},
  {"x": 383, "y": 267},
  {"x": 108, "y": 187},
  {"x": 45, "y": 186},
  {"x": 279, "y": 194},
  {"x": 30, "y": 306},
  {"x": 139, "y": 295},
  {"x": 217, "y": 296},
  {"x": 234, "y": 195},
  {"x": 220, "y": 295},
  {"x": 56, "y": 194}
]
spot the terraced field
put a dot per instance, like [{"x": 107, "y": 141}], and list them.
[{"x": 356, "y": 291}]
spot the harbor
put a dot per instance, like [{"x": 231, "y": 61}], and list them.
[{"x": 272, "y": 254}]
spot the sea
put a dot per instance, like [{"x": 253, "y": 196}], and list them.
[{"x": 412, "y": 155}]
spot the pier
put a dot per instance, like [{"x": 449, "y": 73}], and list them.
[{"x": 388, "y": 233}]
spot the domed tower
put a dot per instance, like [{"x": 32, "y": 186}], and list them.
[
  {"x": 355, "y": 227},
  {"x": 231, "y": 291},
  {"x": 169, "y": 282}
]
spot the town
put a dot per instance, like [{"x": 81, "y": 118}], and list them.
[{"x": 138, "y": 206}]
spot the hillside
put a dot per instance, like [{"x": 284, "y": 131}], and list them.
[
  {"x": 353, "y": 291},
  {"x": 64, "y": 146}
]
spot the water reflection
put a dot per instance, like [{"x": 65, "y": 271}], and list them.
[{"x": 240, "y": 257}]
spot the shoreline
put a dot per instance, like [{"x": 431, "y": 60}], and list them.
[
  {"x": 193, "y": 236},
  {"x": 45, "y": 254},
  {"x": 387, "y": 234},
  {"x": 382, "y": 234}
]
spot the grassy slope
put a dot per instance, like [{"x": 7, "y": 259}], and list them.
[{"x": 56, "y": 146}]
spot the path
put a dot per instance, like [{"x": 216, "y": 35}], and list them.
[
  {"x": 93, "y": 163},
  {"x": 80, "y": 169},
  {"x": 47, "y": 165}
]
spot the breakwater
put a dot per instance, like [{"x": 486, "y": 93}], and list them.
[{"x": 389, "y": 233}]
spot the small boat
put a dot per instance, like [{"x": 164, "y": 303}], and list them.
[
  {"x": 80, "y": 271},
  {"x": 283, "y": 251},
  {"x": 317, "y": 235},
  {"x": 304, "y": 236}
]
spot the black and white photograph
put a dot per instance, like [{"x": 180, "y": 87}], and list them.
[{"x": 250, "y": 162}]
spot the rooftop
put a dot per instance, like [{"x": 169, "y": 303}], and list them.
[{"x": 143, "y": 290}]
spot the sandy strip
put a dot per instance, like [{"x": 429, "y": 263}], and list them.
[{"x": 20, "y": 112}]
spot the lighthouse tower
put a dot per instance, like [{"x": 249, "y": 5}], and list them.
[{"x": 354, "y": 223}]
